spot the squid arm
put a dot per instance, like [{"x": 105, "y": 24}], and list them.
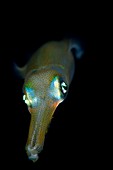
[{"x": 47, "y": 77}]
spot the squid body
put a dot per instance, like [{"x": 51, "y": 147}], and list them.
[{"x": 47, "y": 77}]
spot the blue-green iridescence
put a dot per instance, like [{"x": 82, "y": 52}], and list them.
[
  {"x": 31, "y": 98},
  {"x": 55, "y": 88},
  {"x": 30, "y": 91},
  {"x": 58, "y": 88}
]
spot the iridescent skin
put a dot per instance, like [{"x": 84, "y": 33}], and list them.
[{"x": 47, "y": 77}]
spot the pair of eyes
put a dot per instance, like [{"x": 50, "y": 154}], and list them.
[{"x": 57, "y": 90}]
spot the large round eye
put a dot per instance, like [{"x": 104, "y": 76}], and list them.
[
  {"x": 30, "y": 98},
  {"x": 58, "y": 88}
]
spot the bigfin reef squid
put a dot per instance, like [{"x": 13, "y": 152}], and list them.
[{"x": 47, "y": 77}]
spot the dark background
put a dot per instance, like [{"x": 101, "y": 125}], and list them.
[{"x": 74, "y": 135}]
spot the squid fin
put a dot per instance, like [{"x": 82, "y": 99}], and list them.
[
  {"x": 20, "y": 71},
  {"x": 77, "y": 47}
]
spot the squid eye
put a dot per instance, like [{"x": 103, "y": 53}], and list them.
[
  {"x": 58, "y": 88},
  {"x": 30, "y": 98},
  {"x": 63, "y": 87},
  {"x": 27, "y": 101}
]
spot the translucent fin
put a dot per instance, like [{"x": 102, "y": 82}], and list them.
[
  {"x": 19, "y": 71},
  {"x": 77, "y": 47}
]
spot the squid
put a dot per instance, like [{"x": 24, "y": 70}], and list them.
[{"x": 47, "y": 77}]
